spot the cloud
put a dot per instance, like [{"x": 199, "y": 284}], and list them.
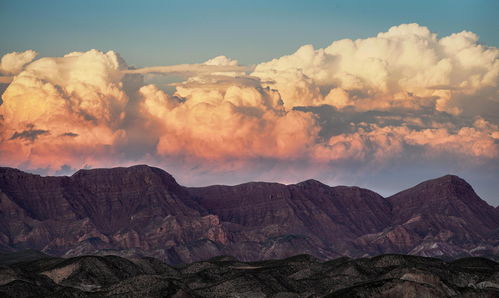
[
  {"x": 381, "y": 143},
  {"x": 401, "y": 67},
  {"x": 402, "y": 96},
  {"x": 188, "y": 69},
  {"x": 5, "y": 79},
  {"x": 82, "y": 92},
  {"x": 228, "y": 122},
  {"x": 30, "y": 134},
  {"x": 13, "y": 63}
]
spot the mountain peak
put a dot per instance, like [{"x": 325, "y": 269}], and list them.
[
  {"x": 449, "y": 178},
  {"x": 311, "y": 183},
  {"x": 448, "y": 195},
  {"x": 441, "y": 188}
]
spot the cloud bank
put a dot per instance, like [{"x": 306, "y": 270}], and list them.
[
  {"x": 403, "y": 96},
  {"x": 408, "y": 66}
]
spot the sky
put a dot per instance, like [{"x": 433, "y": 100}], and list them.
[
  {"x": 173, "y": 32},
  {"x": 380, "y": 94}
]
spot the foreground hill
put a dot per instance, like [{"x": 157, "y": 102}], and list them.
[
  {"x": 298, "y": 276},
  {"x": 142, "y": 211}
]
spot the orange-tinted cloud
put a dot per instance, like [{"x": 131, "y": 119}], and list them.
[
  {"x": 237, "y": 121},
  {"x": 77, "y": 100},
  {"x": 403, "y": 94}
]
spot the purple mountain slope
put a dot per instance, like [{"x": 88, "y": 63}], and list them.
[{"x": 142, "y": 210}]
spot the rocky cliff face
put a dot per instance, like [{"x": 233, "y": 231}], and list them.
[
  {"x": 143, "y": 211},
  {"x": 124, "y": 208},
  {"x": 446, "y": 213},
  {"x": 326, "y": 217}
]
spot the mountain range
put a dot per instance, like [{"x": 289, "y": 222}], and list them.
[{"x": 142, "y": 211}]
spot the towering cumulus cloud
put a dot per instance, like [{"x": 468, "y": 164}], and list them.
[
  {"x": 64, "y": 110},
  {"x": 408, "y": 66},
  {"x": 404, "y": 95}
]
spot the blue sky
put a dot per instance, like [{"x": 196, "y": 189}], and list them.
[{"x": 170, "y": 32}]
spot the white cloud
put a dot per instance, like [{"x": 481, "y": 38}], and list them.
[
  {"x": 13, "y": 63},
  {"x": 403, "y": 64}
]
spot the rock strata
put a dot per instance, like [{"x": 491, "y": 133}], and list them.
[{"x": 143, "y": 211}]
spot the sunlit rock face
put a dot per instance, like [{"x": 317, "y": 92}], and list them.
[{"x": 142, "y": 210}]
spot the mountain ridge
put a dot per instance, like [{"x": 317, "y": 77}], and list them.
[{"x": 142, "y": 210}]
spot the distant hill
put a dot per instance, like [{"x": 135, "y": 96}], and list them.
[{"x": 297, "y": 276}]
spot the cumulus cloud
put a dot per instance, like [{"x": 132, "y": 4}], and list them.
[
  {"x": 379, "y": 143},
  {"x": 227, "y": 122},
  {"x": 81, "y": 92},
  {"x": 401, "y": 67},
  {"x": 402, "y": 95},
  {"x": 13, "y": 63},
  {"x": 5, "y": 80}
]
